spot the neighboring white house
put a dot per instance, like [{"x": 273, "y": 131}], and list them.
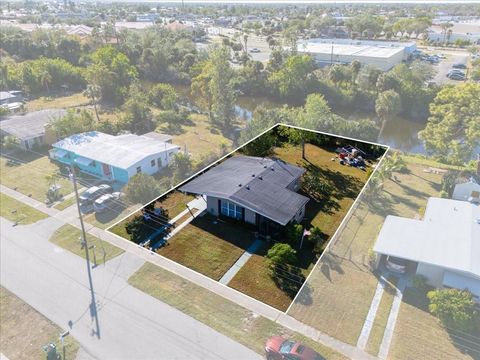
[
  {"x": 469, "y": 191},
  {"x": 115, "y": 158},
  {"x": 445, "y": 245}
]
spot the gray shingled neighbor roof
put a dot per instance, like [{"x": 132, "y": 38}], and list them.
[
  {"x": 259, "y": 184},
  {"x": 31, "y": 124}
]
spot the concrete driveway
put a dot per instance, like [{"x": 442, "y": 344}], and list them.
[{"x": 121, "y": 322}]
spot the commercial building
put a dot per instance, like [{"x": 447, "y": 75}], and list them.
[
  {"x": 444, "y": 247},
  {"x": 382, "y": 55},
  {"x": 114, "y": 158}
]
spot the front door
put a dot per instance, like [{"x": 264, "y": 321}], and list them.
[{"x": 107, "y": 171}]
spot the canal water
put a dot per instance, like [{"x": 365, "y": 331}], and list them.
[{"x": 401, "y": 134}]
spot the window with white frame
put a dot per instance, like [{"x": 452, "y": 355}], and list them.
[{"x": 231, "y": 210}]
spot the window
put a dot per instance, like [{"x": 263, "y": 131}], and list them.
[
  {"x": 139, "y": 169},
  {"x": 152, "y": 163},
  {"x": 231, "y": 210}
]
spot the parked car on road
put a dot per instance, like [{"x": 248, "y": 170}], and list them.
[
  {"x": 396, "y": 264},
  {"x": 108, "y": 202},
  {"x": 89, "y": 196},
  {"x": 279, "y": 348},
  {"x": 254, "y": 50}
]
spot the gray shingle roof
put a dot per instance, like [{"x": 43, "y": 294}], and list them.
[
  {"x": 259, "y": 184},
  {"x": 31, "y": 124}
]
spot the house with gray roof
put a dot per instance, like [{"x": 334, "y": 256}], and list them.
[
  {"x": 258, "y": 191},
  {"x": 30, "y": 129},
  {"x": 444, "y": 246}
]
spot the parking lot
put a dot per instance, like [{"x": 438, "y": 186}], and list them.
[{"x": 445, "y": 66}]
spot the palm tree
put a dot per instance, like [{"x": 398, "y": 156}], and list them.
[
  {"x": 245, "y": 41},
  {"x": 93, "y": 92},
  {"x": 46, "y": 80}
]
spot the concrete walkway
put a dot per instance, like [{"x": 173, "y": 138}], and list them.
[
  {"x": 197, "y": 203},
  {"x": 228, "y": 293},
  {"x": 372, "y": 312},
  {"x": 228, "y": 276},
  {"x": 392, "y": 319}
]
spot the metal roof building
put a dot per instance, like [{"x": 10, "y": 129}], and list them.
[
  {"x": 382, "y": 55},
  {"x": 445, "y": 245},
  {"x": 262, "y": 186},
  {"x": 114, "y": 157}
]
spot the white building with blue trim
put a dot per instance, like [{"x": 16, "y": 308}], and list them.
[{"x": 114, "y": 158}]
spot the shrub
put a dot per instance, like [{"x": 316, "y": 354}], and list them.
[
  {"x": 293, "y": 232},
  {"x": 419, "y": 282},
  {"x": 455, "y": 308},
  {"x": 281, "y": 254}
]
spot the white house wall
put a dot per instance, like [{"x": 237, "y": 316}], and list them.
[
  {"x": 146, "y": 166},
  {"x": 433, "y": 274},
  {"x": 212, "y": 205}
]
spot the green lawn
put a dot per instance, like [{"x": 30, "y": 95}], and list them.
[
  {"x": 343, "y": 282},
  {"x": 24, "y": 213},
  {"x": 381, "y": 318},
  {"x": 24, "y": 331},
  {"x": 60, "y": 101},
  {"x": 216, "y": 312},
  {"x": 254, "y": 280},
  {"x": 29, "y": 178},
  {"x": 346, "y": 184},
  {"x": 62, "y": 205},
  {"x": 419, "y": 335},
  {"x": 206, "y": 247},
  {"x": 200, "y": 138},
  {"x": 68, "y": 237}
]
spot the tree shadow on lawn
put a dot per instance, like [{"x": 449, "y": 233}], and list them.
[
  {"x": 382, "y": 204},
  {"x": 330, "y": 263},
  {"x": 412, "y": 192},
  {"x": 234, "y": 233}
]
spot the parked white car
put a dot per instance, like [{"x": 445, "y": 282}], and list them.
[
  {"x": 108, "y": 202},
  {"x": 396, "y": 264}
]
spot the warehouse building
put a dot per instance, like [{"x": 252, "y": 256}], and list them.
[{"x": 382, "y": 55}]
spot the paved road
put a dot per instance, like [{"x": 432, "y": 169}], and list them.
[{"x": 131, "y": 324}]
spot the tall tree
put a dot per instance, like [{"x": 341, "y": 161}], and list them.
[
  {"x": 453, "y": 128},
  {"x": 93, "y": 92}
]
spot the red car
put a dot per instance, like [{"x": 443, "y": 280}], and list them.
[{"x": 279, "y": 348}]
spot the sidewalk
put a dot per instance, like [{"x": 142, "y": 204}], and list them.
[{"x": 201, "y": 280}]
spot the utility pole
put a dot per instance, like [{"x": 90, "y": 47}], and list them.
[
  {"x": 93, "y": 310},
  {"x": 84, "y": 236}
]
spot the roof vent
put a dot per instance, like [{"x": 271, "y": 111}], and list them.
[
  {"x": 260, "y": 177},
  {"x": 264, "y": 166},
  {"x": 248, "y": 187},
  {"x": 272, "y": 168},
  {"x": 239, "y": 185},
  {"x": 253, "y": 175}
]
